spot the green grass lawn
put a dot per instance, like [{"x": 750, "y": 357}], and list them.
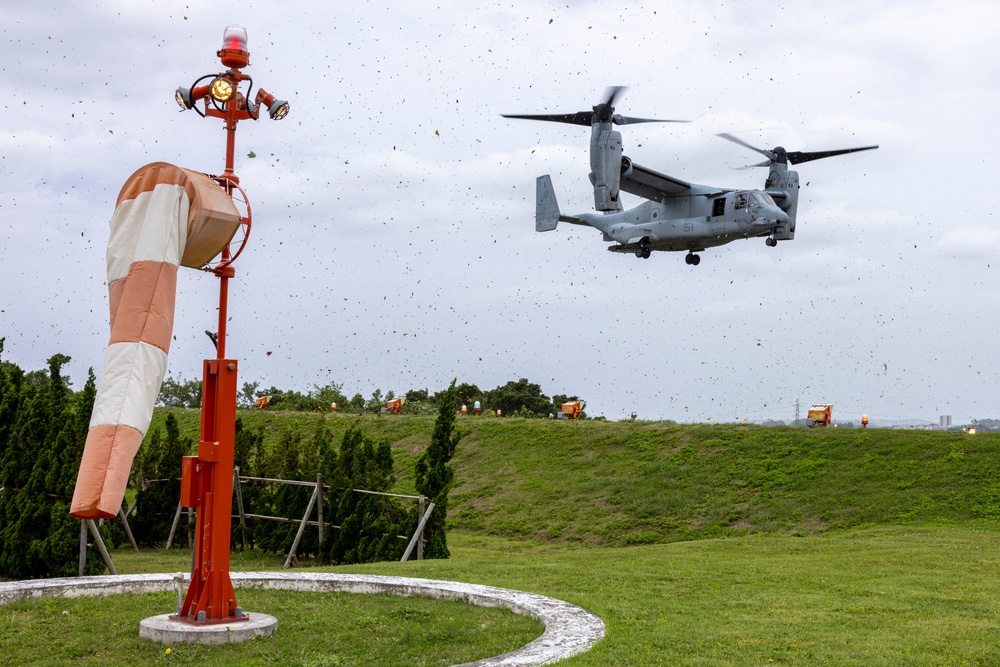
[
  {"x": 877, "y": 596},
  {"x": 900, "y": 595}
]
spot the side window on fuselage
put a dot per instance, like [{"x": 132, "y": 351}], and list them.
[{"x": 719, "y": 207}]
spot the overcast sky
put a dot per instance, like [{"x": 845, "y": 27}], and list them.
[{"x": 393, "y": 241}]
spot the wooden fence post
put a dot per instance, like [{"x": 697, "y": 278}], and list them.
[
  {"x": 173, "y": 526},
  {"x": 417, "y": 534},
  {"x": 302, "y": 528},
  {"x": 128, "y": 529},
  {"x": 83, "y": 546},
  {"x": 319, "y": 504},
  {"x": 100, "y": 545},
  {"x": 420, "y": 542},
  {"x": 239, "y": 505}
]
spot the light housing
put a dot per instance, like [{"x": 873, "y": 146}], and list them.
[
  {"x": 234, "y": 47},
  {"x": 276, "y": 109},
  {"x": 186, "y": 97},
  {"x": 222, "y": 89}
]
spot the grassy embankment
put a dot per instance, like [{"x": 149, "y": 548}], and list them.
[{"x": 623, "y": 483}]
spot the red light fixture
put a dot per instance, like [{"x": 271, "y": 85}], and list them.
[{"x": 234, "y": 47}]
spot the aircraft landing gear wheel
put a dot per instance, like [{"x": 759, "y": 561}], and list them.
[
  {"x": 642, "y": 253},
  {"x": 770, "y": 242},
  {"x": 693, "y": 259}
]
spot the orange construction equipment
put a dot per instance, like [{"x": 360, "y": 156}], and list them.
[
  {"x": 394, "y": 405},
  {"x": 572, "y": 409},
  {"x": 820, "y": 414},
  {"x": 262, "y": 403}
]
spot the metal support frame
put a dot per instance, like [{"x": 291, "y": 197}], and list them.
[
  {"x": 86, "y": 524},
  {"x": 207, "y": 485}
]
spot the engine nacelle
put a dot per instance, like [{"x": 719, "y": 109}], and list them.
[
  {"x": 605, "y": 166},
  {"x": 788, "y": 182}
]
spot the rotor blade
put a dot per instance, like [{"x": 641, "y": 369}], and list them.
[
  {"x": 613, "y": 94},
  {"x": 736, "y": 140},
  {"x": 578, "y": 118},
  {"x": 765, "y": 163},
  {"x": 796, "y": 157},
  {"x": 626, "y": 120}
]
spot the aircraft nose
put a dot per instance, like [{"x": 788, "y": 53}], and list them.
[{"x": 778, "y": 214}]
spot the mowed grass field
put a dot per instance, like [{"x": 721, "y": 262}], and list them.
[{"x": 705, "y": 545}]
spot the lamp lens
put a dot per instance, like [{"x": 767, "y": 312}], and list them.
[
  {"x": 222, "y": 89},
  {"x": 235, "y": 37},
  {"x": 280, "y": 112}
]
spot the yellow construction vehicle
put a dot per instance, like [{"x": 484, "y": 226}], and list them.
[
  {"x": 820, "y": 414},
  {"x": 572, "y": 409}
]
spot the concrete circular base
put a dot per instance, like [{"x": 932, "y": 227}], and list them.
[
  {"x": 569, "y": 629},
  {"x": 166, "y": 631}
]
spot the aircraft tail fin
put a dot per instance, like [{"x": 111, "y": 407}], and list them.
[{"x": 546, "y": 207}]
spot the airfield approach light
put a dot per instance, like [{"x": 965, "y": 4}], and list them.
[
  {"x": 187, "y": 97},
  {"x": 276, "y": 109},
  {"x": 222, "y": 89},
  {"x": 208, "y": 476}
]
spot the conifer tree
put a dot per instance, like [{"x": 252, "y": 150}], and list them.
[
  {"x": 434, "y": 474},
  {"x": 41, "y": 443},
  {"x": 156, "y": 505},
  {"x": 369, "y": 524}
]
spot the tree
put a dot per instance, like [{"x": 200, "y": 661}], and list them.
[
  {"x": 521, "y": 398},
  {"x": 376, "y": 402},
  {"x": 368, "y": 523},
  {"x": 328, "y": 394},
  {"x": 42, "y": 432},
  {"x": 177, "y": 394},
  {"x": 292, "y": 459},
  {"x": 434, "y": 474},
  {"x": 247, "y": 398},
  {"x": 417, "y": 395}
]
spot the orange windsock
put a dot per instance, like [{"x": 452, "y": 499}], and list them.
[{"x": 165, "y": 217}]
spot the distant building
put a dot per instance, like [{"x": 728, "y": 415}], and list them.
[{"x": 945, "y": 421}]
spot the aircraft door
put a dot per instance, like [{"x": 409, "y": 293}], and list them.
[{"x": 742, "y": 210}]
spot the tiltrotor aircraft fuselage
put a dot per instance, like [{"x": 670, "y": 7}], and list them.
[{"x": 677, "y": 215}]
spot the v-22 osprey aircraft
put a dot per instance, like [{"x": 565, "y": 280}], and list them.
[{"x": 677, "y": 215}]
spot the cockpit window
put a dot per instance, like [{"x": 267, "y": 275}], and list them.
[{"x": 761, "y": 198}]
